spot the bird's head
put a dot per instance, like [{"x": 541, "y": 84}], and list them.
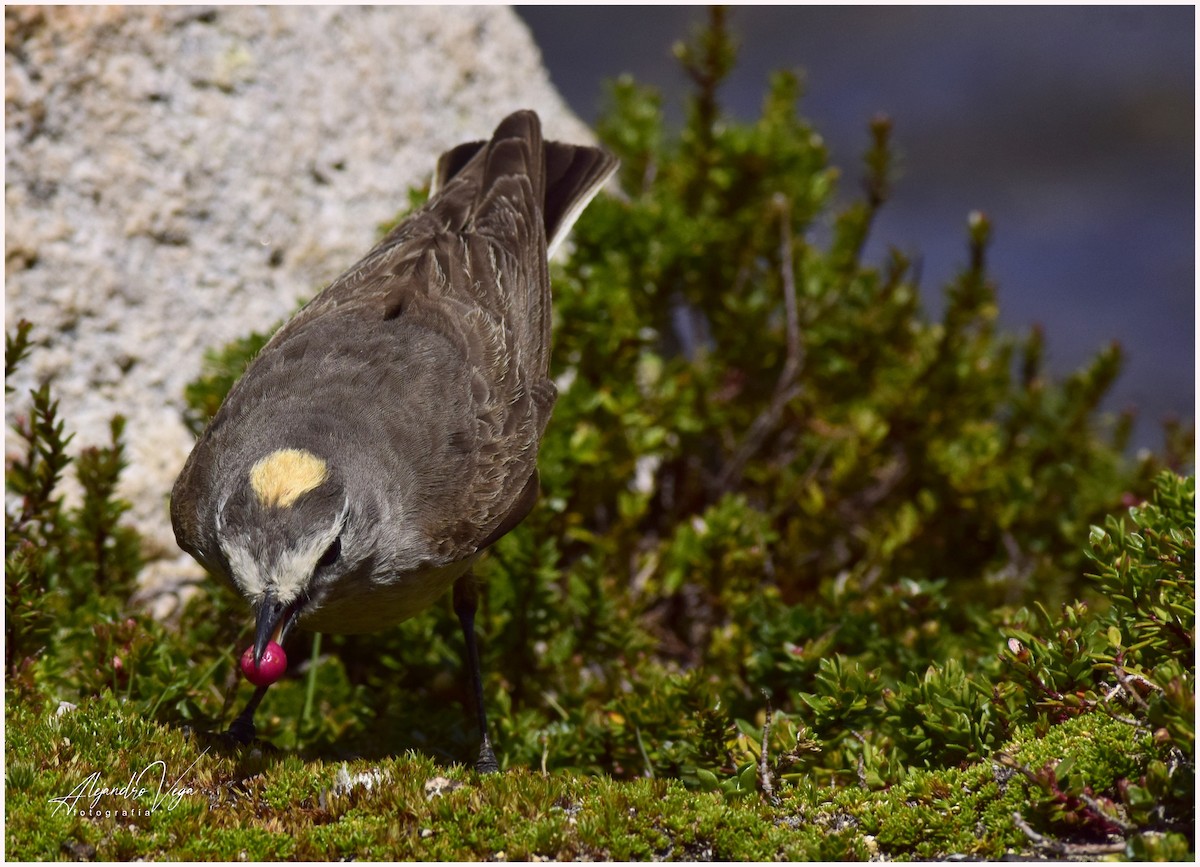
[{"x": 283, "y": 533}]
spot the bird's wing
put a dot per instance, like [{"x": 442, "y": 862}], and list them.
[{"x": 469, "y": 271}]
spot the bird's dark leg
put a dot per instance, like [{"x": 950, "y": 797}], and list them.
[
  {"x": 242, "y": 728},
  {"x": 466, "y": 600}
]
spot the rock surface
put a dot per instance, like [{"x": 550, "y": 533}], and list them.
[{"x": 178, "y": 177}]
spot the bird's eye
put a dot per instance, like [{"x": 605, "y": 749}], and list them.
[{"x": 331, "y": 554}]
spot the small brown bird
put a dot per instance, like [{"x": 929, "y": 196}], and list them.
[{"x": 388, "y": 434}]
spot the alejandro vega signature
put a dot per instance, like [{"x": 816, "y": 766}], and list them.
[{"x": 146, "y": 791}]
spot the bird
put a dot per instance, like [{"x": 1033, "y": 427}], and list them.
[{"x": 387, "y": 435}]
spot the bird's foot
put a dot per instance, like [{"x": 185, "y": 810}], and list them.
[
  {"x": 486, "y": 763},
  {"x": 241, "y": 730}
]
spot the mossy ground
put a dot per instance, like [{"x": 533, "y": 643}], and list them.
[{"x": 221, "y": 802}]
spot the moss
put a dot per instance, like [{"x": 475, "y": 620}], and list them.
[{"x": 414, "y": 808}]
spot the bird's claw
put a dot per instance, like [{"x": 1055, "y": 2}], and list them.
[
  {"x": 242, "y": 731},
  {"x": 486, "y": 763}
]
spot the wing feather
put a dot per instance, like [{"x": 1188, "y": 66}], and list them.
[{"x": 466, "y": 278}]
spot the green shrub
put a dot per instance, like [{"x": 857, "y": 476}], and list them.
[
  {"x": 70, "y": 633},
  {"x": 58, "y": 559}
]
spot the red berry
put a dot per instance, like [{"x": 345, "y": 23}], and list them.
[{"x": 269, "y": 670}]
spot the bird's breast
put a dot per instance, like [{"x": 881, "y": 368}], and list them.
[{"x": 371, "y": 603}]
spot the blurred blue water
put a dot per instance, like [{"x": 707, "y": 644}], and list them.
[{"x": 1073, "y": 128}]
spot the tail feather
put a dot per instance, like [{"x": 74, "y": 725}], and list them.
[
  {"x": 563, "y": 177},
  {"x": 517, "y": 149},
  {"x": 574, "y": 174},
  {"x": 514, "y": 158},
  {"x": 452, "y": 162}
]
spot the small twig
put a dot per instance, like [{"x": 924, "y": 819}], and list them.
[
  {"x": 637, "y": 733},
  {"x": 1067, "y": 800},
  {"x": 815, "y": 465},
  {"x": 765, "y": 777},
  {"x": 310, "y": 689},
  {"x": 1058, "y": 847},
  {"x": 862, "y": 761},
  {"x": 1037, "y": 681},
  {"x": 791, "y": 308},
  {"x": 1125, "y": 679},
  {"x": 1129, "y": 721},
  {"x": 786, "y": 388},
  {"x": 1107, "y": 700},
  {"x": 1039, "y": 840},
  {"x": 1096, "y": 807},
  {"x": 1010, "y": 762},
  {"x": 1177, "y": 630}
]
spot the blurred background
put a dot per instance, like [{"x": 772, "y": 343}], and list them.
[{"x": 1072, "y": 128}]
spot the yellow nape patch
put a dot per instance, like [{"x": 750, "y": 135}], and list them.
[{"x": 283, "y": 476}]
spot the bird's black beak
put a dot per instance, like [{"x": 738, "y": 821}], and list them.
[{"x": 270, "y": 621}]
